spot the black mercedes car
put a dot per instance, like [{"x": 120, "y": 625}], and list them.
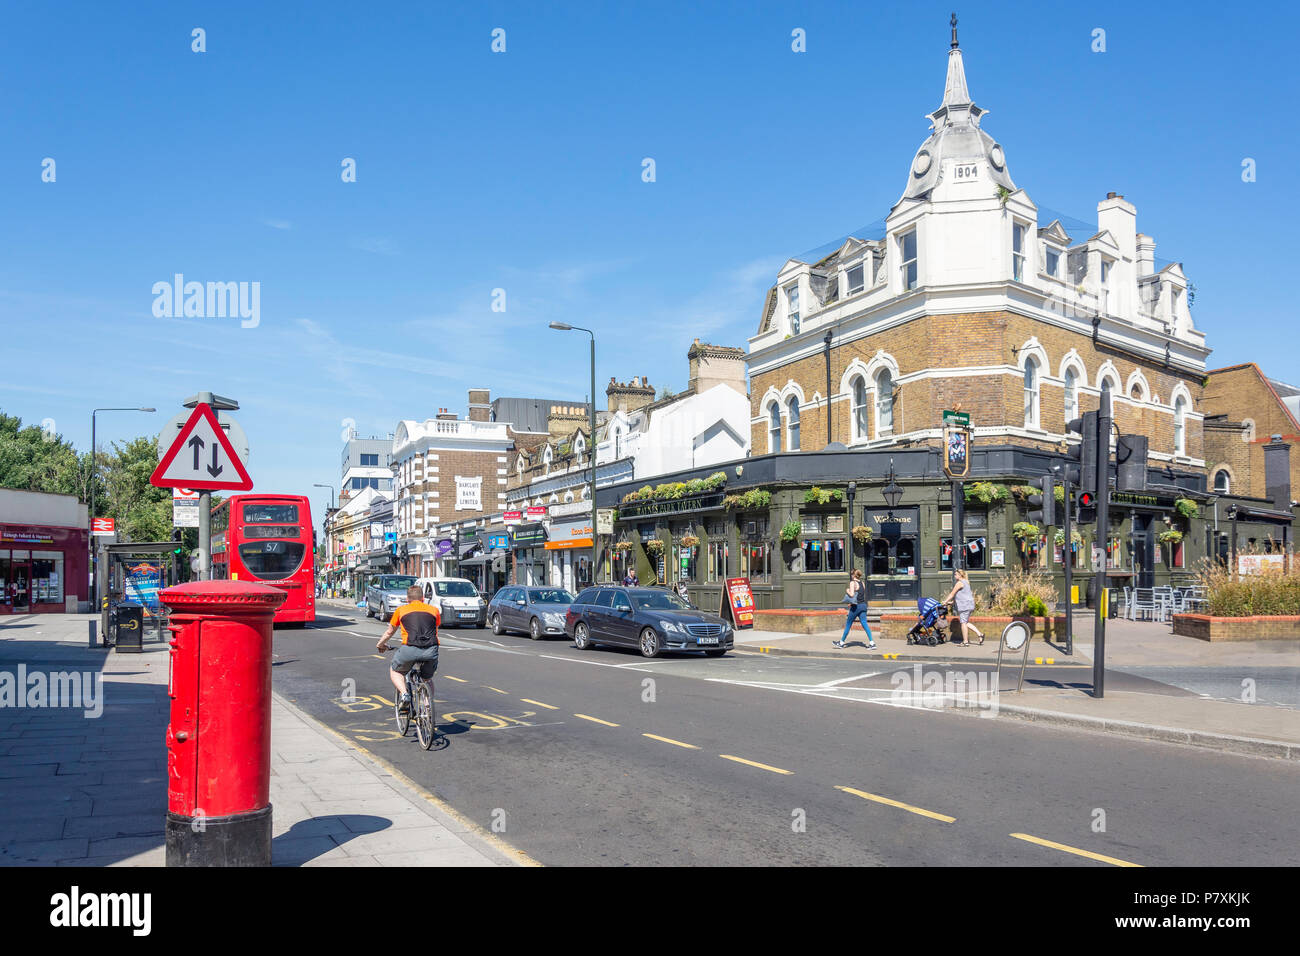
[{"x": 650, "y": 619}]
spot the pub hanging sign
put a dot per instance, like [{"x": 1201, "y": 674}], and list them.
[{"x": 956, "y": 451}]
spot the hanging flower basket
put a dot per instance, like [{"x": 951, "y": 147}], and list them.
[
  {"x": 689, "y": 541},
  {"x": 622, "y": 546},
  {"x": 791, "y": 530},
  {"x": 655, "y": 546},
  {"x": 861, "y": 533},
  {"x": 1076, "y": 539},
  {"x": 1172, "y": 536}
]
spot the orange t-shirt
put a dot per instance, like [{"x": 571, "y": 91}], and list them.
[{"x": 419, "y": 623}]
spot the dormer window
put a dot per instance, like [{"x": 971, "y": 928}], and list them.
[
  {"x": 855, "y": 279},
  {"x": 1018, "y": 251},
  {"x": 907, "y": 249},
  {"x": 1052, "y": 261},
  {"x": 792, "y": 308}
]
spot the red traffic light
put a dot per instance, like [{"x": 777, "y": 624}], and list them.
[{"x": 1087, "y": 499}]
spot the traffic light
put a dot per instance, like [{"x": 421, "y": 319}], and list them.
[
  {"x": 1042, "y": 506},
  {"x": 1083, "y": 475},
  {"x": 1085, "y": 507},
  {"x": 177, "y": 550},
  {"x": 1131, "y": 458}
]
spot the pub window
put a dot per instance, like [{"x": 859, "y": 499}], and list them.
[
  {"x": 687, "y": 561},
  {"x": 792, "y": 416},
  {"x": 833, "y": 549},
  {"x": 810, "y": 524},
  {"x": 974, "y": 555},
  {"x": 859, "y": 408},
  {"x": 718, "y": 561},
  {"x": 1114, "y": 554},
  {"x": 884, "y": 402},
  {"x": 756, "y": 563},
  {"x": 812, "y": 555},
  {"x": 774, "y": 428},
  {"x": 792, "y": 308}
]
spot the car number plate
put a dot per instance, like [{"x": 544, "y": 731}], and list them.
[{"x": 707, "y": 640}]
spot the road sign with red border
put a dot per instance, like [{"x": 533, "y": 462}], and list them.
[{"x": 202, "y": 458}]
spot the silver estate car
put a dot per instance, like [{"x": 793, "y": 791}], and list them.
[
  {"x": 536, "y": 611},
  {"x": 386, "y": 593}
]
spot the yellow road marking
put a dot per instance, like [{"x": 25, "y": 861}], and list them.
[
  {"x": 538, "y": 703},
  {"x": 388, "y": 702},
  {"x": 456, "y": 679},
  {"x": 894, "y": 803},
  {"x": 669, "y": 740},
  {"x": 596, "y": 720},
  {"x": 497, "y": 689},
  {"x": 1075, "y": 850},
  {"x": 751, "y": 763}
]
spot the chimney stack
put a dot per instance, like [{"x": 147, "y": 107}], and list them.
[{"x": 1277, "y": 473}]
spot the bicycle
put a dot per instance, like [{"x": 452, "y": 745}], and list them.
[{"x": 420, "y": 689}]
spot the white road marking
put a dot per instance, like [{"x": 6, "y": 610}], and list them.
[
  {"x": 575, "y": 660},
  {"x": 845, "y": 680}
]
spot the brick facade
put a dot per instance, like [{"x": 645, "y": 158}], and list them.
[
  {"x": 1243, "y": 397},
  {"x": 992, "y": 392}
]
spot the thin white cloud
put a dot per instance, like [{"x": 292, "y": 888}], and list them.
[
  {"x": 379, "y": 245},
  {"x": 277, "y": 223}
]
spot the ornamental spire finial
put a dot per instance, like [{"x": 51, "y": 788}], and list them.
[{"x": 953, "y": 21}]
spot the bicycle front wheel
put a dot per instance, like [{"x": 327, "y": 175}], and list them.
[{"x": 424, "y": 725}]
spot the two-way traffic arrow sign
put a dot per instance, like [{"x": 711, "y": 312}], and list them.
[{"x": 201, "y": 457}]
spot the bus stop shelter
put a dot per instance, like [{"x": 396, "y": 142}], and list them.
[{"x": 133, "y": 576}]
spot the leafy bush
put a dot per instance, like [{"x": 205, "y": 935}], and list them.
[
  {"x": 1274, "y": 592},
  {"x": 791, "y": 530},
  {"x": 985, "y": 492},
  {"x": 1024, "y": 531},
  {"x": 1018, "y": 593},
  {"x": 715, "y": 480},
  {"x": 822, "y": 496},
  {"x": 695, "y": 486},
  {"x": 1186, "y": 507},
  {"x": 1058, "y": 492},
  {"x": 1170, "y": 536},
  {"x": 754, "y": 498}
]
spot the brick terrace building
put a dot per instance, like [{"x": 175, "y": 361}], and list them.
[
  {"x": 446, "y": 469},
  {"x": 968, "y": 297}
]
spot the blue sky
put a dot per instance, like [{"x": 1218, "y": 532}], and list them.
[{"x": 522, "y": 171}]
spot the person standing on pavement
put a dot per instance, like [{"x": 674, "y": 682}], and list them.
[
  {"x": 965, "y": 604},
  {"x": 629, "y": 579},
  {"x": 855, "y": 596}
]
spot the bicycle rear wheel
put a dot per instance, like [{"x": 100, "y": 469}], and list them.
[
  {"x": 403, "y": 719},
  {"x": 424, "y": 722}
]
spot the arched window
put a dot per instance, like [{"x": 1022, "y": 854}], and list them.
[
  {"x": 1180, "y": 426},
  {"x": 773, "y": 428},
  {"x": 859, "y": 408},
  {"x": 1221, "y": 482},
  {"x": 1071, "y": 395},
  {"x": 1031, "y": 392},
  {"x": 792, "y": 416},
  {"x": 884, "y": 402}
]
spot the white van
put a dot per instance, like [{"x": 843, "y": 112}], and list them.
[{"x": 458, "y": 600}]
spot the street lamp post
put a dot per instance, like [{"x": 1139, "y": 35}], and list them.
[
  {"x": 94, "y": 580},
  {"x": 852, "y": 492},
  {"x": 326, "y": 523},
  {"x": 591, "y": 438}
]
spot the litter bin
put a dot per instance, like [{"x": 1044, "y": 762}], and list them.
[{"x": 129, "y": 628}]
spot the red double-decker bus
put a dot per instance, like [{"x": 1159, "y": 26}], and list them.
[{"x": 268, "y": 539}]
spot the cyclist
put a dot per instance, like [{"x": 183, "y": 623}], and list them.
[{"x": 419, "y": 624}]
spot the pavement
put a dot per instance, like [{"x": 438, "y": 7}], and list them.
[
  {"x": 1230, "y": 726},
  {"x": 86, "y": 785}
]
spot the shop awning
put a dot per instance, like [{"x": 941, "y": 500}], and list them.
[{"x": 498, "y": 561}]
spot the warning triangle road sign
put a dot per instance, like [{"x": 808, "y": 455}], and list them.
[{"x": 201, "y": 457}]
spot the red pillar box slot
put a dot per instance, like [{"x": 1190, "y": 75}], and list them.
[{"x": 219, "y": 735}]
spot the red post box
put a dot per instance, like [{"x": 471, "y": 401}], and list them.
[{"x": 219, "y": 735}]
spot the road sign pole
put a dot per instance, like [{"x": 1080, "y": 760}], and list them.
[
  {"x": 205, "y": 535},
  {"x": 1068, "y": 553}
]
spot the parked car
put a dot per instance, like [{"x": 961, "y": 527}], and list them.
[
  {"x": 385, "y": 593},
  {"x": 457, "y": 599},
  {"x": 537, "y": 611},
  {"x": 650, "y": 619}
]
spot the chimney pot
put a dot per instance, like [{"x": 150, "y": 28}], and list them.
[{"x": 1111, "y": 195}]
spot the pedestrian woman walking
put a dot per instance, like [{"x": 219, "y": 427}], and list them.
[
  {"x": 855, "y": 596},
  {"x": 965, "y": 603}
]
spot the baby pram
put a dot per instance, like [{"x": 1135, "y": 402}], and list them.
[{"x": 932, "y": 618}]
